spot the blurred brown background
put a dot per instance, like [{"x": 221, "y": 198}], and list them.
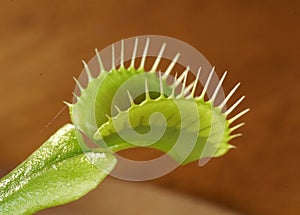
[{"x": 42, "y": 44}]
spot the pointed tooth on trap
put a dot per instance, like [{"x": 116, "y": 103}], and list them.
[
  {"x": 113, "y": 66},
  {"x": 68, "y": 104},
  {"x": 194, "y": 84},
  {"x": 239, "y": 115},
  {"x": 173, "y": 87},
  {"x": 147, "y": 95},
  {"x": 218, "y": 88},
  {"x": 118, "y": 109},
  {"x": 78, "y": 84},
  {"x": 237, "y": 126},
  {"x": 158, "y": 58},
  {"x": 87, "y": 70},
  {"x": 234, "y": 105},
  {"x": 229, "y": 95},
  {"x": 207, "y": 83},
  {"x": 134, "y": 52},
  {"x": 161, "y": 84},
  {"x": 77, "y": 97},
  {"x": 102, "y": 69},
  {"x": 184, "y": 77},
  {"x": 144, "y": 54},
  {"x": 171, "y": 66},
  {"x": 130, "y": 97},
  {"x": 122, "y": 54},
  {"x": 236, "y": 135}
]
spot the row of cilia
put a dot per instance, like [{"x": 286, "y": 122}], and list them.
[{"x": 186, "y": 91}]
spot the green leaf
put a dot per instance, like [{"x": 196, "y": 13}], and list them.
[
  {"x": 57, "y": 173},
  {"x": 95, "y": 114},
  {"x": 180, "y": 120}
]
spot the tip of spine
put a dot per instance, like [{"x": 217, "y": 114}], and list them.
[
  {"x": 102, "y": 69},
  {"x": 87, "y": 70},
  {"x": 232, "y": 147},
  {"x": 239, "y": 115},
  {"x": 234, "y": 105},
  {"x": 134, "y": 53},
  {"x": 218, "y": 87},
  {"x": 161, "y": 84},
  {"x": 147, "y": 95},
  {"x": 68, "y": 104},
  {"x": 107, "y": 116},
  {"x": 122, "y": 53},
  {"x": 235, "y": 135},
  {"x": 157, "y": 61},
  {"x": 113, "y": 66},
  {"x": 229, "y": 95},
  {"x": 237, "y": 126},
  {"x": 145, "y": 53},
  {"x": 207, "y": 83},
  {"x": 184, "y": 77},
  {"x": 98, "y": 136},
  {"x": 130, "y": 98},
  {"x": 78, "y": 84},
  {"x": 117, "y": 108},
  {"x": 193, "y": 85},
  {"x": 173, "y": 86},
  {"x": 171, "y": 66},
  {"x": 77, "y": 97}
]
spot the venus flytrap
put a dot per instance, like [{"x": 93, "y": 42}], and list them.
[{"x": 113, "y": 112}]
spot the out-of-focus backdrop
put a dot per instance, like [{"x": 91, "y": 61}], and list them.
[{"x": 41, "y": 47}]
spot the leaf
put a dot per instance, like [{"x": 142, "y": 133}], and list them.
[
  {"x": 116, "y": 122},
  {"x": 57, "y": 173},
  {"x": 183, "y": 135}
]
